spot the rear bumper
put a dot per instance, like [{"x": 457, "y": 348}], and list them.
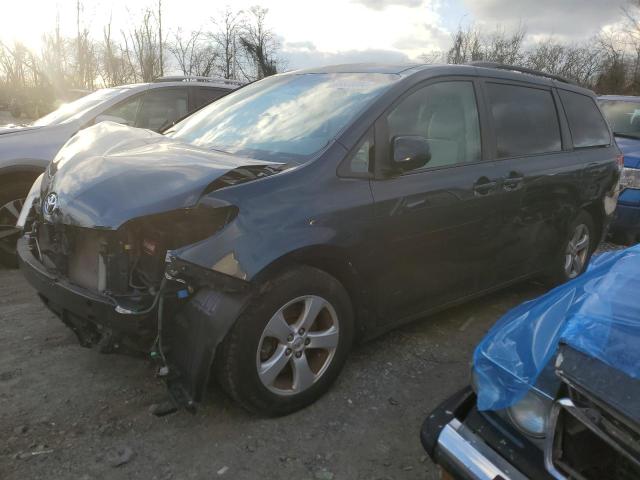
[
  {"x": 90, "y": 315},
  {"x": 466, "y": 448}
]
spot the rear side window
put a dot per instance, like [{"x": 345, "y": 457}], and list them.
[
  {"x": 204, "y": 96},
  {"x": 587, "y": 126},
  {"x": 525, "y": 120}
]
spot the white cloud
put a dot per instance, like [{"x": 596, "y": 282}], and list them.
[
  {"x": 394, "y": 29},
  {"x": 308, "y": 56},
  {"x": 382, "y": 4},
  {"x": 565, "y": 19}
]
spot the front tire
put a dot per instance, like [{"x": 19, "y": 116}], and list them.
[
  {"x": 289, "y": 345},
  {"x": 11, "y": 200}
]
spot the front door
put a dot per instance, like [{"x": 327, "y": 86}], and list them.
[{"x": 435, "y": 226}]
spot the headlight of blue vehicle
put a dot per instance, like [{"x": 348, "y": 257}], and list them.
[
  {"x": 531, "y": 414},
  {"x": 630, "y": 178}
]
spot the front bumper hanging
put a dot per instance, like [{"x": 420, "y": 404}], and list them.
[
  {"x": 87, "y": 313},
  {"x": 191, "y": 334}
]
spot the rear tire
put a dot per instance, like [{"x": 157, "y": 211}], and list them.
[
  {"x": 12, "y": 197},
  {"x": 269, "y": 362},
  {"x": 575, "y": 253}
]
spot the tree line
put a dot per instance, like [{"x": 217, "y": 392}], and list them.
[
  {"x": 238, "y": 45},
  {"x": 609, "y": 63}
]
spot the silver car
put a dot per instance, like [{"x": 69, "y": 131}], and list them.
[{"x": 26, "y": 150}]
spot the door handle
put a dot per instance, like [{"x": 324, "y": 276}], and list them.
[
  {"x": 484, "y": 186},
  {"x": 512, "y": 182}
]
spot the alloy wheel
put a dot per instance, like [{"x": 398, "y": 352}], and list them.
[
  {"x": 577, "y": 251},
  {"x": 297, "y": 345},
  {"x": 9, "y": 213}
]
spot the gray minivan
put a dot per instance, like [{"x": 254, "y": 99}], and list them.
[{"x": 264, "y": 234}]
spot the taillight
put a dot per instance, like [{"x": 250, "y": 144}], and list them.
[{"x": 620, "y": 159}]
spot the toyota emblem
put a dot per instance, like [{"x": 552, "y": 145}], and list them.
[{"x": 50, "y": 204}]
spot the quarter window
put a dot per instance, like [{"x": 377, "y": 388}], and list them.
[
  {"x": 588, "y": 128},
  {"x": 446, "y": 115},
  {"x": 360, "y": 160},
  {"x": 525, "y": 120}
]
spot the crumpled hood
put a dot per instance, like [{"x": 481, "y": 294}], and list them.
[
  {"x": 631, "y": 150},
  {"x": 109, "y": 173},
  {"x": 598, "y": 314}
]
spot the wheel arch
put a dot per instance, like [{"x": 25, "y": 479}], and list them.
[
  {"x": 597, "y": 213},
  {"x": 337, "y": 263},
  {"x": 20, "y": 173}
]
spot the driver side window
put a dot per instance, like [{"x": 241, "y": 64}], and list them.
[
  {"x": 163, "y": 106},
  {"x": 125, "y": 112},
  {"x": 446, "y": 115}
]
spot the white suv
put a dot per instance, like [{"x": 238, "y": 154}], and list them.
[{"x": 26, "y": 150}]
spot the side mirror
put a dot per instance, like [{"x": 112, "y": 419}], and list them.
[
  {"x": 409, "y": 152},
  {"x": 110, "y": 118}
]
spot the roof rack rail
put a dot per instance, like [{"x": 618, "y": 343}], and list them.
[
  {"x": 195, "y": 78},
  {"x": 529, "y": 71}
]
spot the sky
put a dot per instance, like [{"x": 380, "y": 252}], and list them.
[{"x": 317, "y": 32}]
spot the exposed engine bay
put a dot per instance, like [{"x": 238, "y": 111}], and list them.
[{"x": 128, "y": 264}]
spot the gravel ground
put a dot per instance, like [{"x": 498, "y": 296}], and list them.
[{"x": 72, "y": 413}]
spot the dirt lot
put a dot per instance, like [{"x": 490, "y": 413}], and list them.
[{"x": 72, "y": 413}]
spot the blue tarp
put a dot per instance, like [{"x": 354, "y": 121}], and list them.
[{"x": 597, "y": 313}]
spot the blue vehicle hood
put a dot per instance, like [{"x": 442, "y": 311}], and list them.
[
  {"x": 631, "y": 150},
  {"x": 597, "y": 313}
]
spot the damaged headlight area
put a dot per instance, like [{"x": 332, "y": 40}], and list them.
[{"x": 128, "y": 264}]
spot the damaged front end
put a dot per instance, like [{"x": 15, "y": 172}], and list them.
[{"x": 119, "y": 283}]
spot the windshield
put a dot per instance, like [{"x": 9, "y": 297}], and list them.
[
  {"x": 624, "y": 117},
  {"x": 77, "y": 108},
  {"x": 284, "y": 118}
]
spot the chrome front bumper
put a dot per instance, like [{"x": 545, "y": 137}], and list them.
[{"x": 465, "y": 455}]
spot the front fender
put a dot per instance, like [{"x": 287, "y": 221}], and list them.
[
  {"x": 243, "y": 254},
  {"x": 194, "y": 335}
]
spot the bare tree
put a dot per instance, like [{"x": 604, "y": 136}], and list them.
[
  {"x": 503, "y": 47},
  {"x": 161, "y": 47},
  {"x": 259, "y": 44},
  {"x": 227, "y": 39},
  {"x": 471, "y": 44},
  {"x": 114, "y": 67},
  {"x": 194, "y": 55},
  {"x": 466, "y": 46},
  {"x": 56, "y": 58},
  {"x": 142, "y": 49}
]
